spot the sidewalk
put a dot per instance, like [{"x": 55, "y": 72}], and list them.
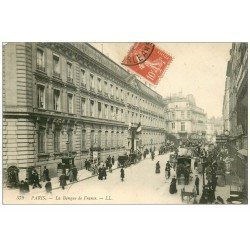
[{"x": 83, "y": 174}]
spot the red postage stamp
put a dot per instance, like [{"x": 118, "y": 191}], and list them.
[{"x": 148, "y": 61}]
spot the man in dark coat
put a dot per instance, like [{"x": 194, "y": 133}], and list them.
[
  {"x": 122, "y": 174},
  {"x": 36, "y": 180},
  {"x": 104, "y": 172},
  {"x": 100, "y": 173},
  {"x": 45, "y": 174},
  {"x": 48, "y": 186},
  {"x": 86, "y": 164},
  {"x": 75, "y": 172},
  {"x": 113, "y": 160},
  {"x": 62, "y": 180},
  {"x": 197, "y": 183},
  {"x": 26, "y": 186}
]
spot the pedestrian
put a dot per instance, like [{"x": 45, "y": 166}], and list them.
[
  {"x": 75, "y": 173},
  {"x": 204, "y": 196},
  {"x": 48, "y": 186},
  {"x": 104, "y": 172},
  {"x": 197, "y": 183},
  {"x": 36, "y": 180},
  {"x": 110, "y": 168},
  {"x": 21, "y": 187},
  {"x": 152, "y": 155},
  {"x": 167, "y": 170},
  {"x": 62, "y": 180},
  {"x": 71, "y": 175},
  {"x": 172, "y": 187},
  {"x": 45, "y": 174},
  {"x": 157, "y": 168},
  {"x": 26, "y": 186},
  {"x": 100, "y": 173},
  {"x": 113, "y": 160},
  {"x": 122, "y": 174},
  {"x": 86, "y": 164}
]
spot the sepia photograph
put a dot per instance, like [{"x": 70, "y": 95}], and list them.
[{"x": 125, "y": 123}]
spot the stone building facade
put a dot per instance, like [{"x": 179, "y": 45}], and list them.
[
  {"x": 69, "y": 99},
  {"x": 236, "y": 86},
  {"x": 183, "y": 118},
  {"x": 237, "y": 102}
]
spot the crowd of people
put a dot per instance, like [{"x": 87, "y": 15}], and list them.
[{"x": 209, "y": 162}]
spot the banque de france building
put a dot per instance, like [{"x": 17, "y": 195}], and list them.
[{"x": 69, "y": 98}]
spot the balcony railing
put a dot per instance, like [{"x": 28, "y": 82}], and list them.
[{"x": 40, "y": 67}]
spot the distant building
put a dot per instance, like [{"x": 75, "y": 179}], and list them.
[
  {"x": 214, "y": 126},
  {"x": 183, "y": 118}
]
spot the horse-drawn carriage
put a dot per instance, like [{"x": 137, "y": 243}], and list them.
[
  {"x": 127, "y": 160},
  {"x": 183, "y": 170},
  {"x": 123, "y": 161}
]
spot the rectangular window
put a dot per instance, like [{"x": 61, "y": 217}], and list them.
[
  {"x": 182, "y": 114},
  {"x": 56, "y": 66},
  {"x": 92, "y": 113},
  {"x": 117, "y": 114},
  {"x": 40, "y": 60},
  {"x": 56, "y": 99},
  {"x": 106, "y": 111},
  {"x": 92, "y": 82},
  {"x": 122, "y": 141},
  {"x": 83, "y": 139},
  {"x": 70, "y": 140},
  {"x": 182, "y": 126},
  {"x": 70, "y": 103},
  {"x": 117, "y": 139},
  {"x": 92, "y": 138},
  {"x": 121, "y": 114},
  {"x": 117, "y": 93},
  {"x": 83, "y": 82},
  {"x": 99, "y": 84},
  {"x": 83, "y": 106},
  {"x": 106, "y": 139},
  {"x": 57, "y": 141},
  {"x": 173, "y": 125},
  {"x": 40, "y": 96},
  {"x": 121, "y": 94},
  {"x": 99, "y": 109},
  {"x": 112, "y": 139},
  {"x": 99, "y": 138},
  {"x": 111, "y": 90},
  {"x": 112, "y": 112},
  {"x": 69, "y": 72},
  {"x": 41, "y": 141},
  {"x": 173, "y": 115},
  {"x": 105, "y": 87}
]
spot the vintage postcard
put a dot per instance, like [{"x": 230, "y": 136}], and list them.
[{"x": 125, "y": 123}]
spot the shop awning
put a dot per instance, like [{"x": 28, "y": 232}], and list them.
[{"x": 243, "y": 152}]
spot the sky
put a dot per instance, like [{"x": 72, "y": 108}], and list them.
[{"x": 197, "y": 68}]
